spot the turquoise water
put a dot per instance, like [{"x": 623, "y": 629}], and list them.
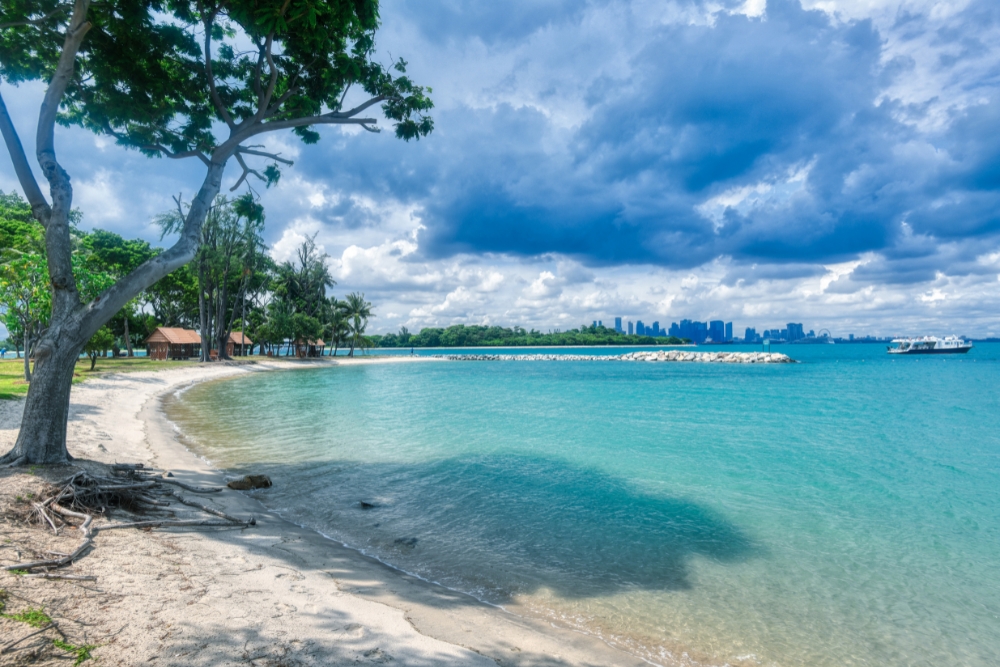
[{"x": 840, "y": 511}]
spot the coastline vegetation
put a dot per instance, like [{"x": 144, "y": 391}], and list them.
[
  {"x": 202, "y": 82},
  {"x": 461, "y": 335}
]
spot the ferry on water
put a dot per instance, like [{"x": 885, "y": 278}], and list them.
[{"x": 930, "y": 345}]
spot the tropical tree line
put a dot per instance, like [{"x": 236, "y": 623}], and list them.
[
  {"x": 203, "y": 82},
  {"x": 461, "y": 335},
  {"x": 232, "y": 285}
]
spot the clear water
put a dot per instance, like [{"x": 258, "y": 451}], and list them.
[{"x": 841, "y": 511}]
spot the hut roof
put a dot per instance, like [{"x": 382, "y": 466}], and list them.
[
  {"x": 239, "y": 338},
  {"x": 317, "y": 343},
  {"x": 174, "y": 336}
]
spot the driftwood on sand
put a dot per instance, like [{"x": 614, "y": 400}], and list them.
[{"x": 80, "y": 498}]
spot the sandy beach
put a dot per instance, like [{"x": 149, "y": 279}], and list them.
[{"x": 272, "y": 594}]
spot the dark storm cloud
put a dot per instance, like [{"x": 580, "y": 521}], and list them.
[
  {"x": 690, "y": 114},
  {"x": 702, "y": 111}
]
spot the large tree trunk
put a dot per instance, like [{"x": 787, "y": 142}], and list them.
[{"x": 42, "y": 438}]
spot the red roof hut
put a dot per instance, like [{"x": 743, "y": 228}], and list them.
[{"x": 173, "y": 343}]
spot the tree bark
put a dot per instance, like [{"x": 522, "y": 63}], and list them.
[{"x": 42, "y": 438}]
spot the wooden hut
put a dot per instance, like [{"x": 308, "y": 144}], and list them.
[
  {"x": 173, "y": 343},
  {"x": 309, "y": 348},
  {"x": 239, "y": 345}
]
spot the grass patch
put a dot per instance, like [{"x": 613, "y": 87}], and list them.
[
  {"x": 35, "y": 617},
  {"x": 12, "y": 384},
  {"x": 82, "y": 653}
]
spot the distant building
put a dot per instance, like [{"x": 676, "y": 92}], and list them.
[
  {"x": 850, "y": 337},
  {"x": 675, "y": 330},
  {"x": 640, "y": 328},
  {"x": 717, "y": 331},
  {"x": 700, "y": 330},
  {"x": 594, "y": 324},
  {"x": 600, "y": 323},
  {"x": 750, "y": 336},
  {"x": 629, "y": 328},
  {"x": 729, "y": 331},
  {"x": 656, "y": 329},
  {"x": 794, "y": 332},
  {"x": 618, "y": 325}
]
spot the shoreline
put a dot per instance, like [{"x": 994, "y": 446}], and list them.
[{"x": 389, "y": 614}]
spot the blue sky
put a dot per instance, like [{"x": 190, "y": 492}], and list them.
[{"x": 835, "y": 163}]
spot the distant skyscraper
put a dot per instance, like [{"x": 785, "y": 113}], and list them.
[
  {"x": 729, "y": 331},
  {"x": 794, "y": 332},
  {"x": 699, "y": 331},
  {"x": 675, "y": 330},
  {"x": 640, "y": 328},
  {"x": 656, "y": 329},
  {"x": 600, "y": 323},
  {"x": 686, "y": 329},
  {"x": 618, "y": 324},
  {"x": 594, "y": 324},
  {"x": 750, "y": 336},
  {"x": 629, "y": 328},
  {"x": 717, "y": 331}
]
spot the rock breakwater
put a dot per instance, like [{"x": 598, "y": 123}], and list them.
[{"x": 658, "y": 355}]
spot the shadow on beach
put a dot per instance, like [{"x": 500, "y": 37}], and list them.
[{"x": 508, "y": 525}]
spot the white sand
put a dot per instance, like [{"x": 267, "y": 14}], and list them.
[{"x": 274, "y": 594}]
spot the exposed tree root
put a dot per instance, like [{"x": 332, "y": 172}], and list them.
[
  {"x": 83, "y": 495},
  {"x": 11, "y": 461}
]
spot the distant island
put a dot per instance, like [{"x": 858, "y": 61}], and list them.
[{"x": 483, "y": 336}]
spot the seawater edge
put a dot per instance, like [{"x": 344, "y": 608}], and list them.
[
  {"x": 577, "y": 645},
  {"x": 730, "y": 412}
]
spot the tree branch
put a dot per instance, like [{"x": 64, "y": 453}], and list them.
[
  {"x": 274, "y": 156},
  {"x": 178, "y": 156},
  {"x": 213, "y": 92},
  {"x": 38, "y": 21},
  {"x": 358, "y": 109},
  {"x": 39, "y": 207},
  {"x": 57, "y": 240},
  {"x": 103, "y": 308},
  {"x": 78, "y": 27},
  {"x": 274, "y": 125},
  {"x": 246, "y": 172},
  {"x": 265, "y": 101}
]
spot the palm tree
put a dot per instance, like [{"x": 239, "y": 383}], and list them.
[
  {"x": 339, "y": 325},
  {"x": 358, "y": 311}
]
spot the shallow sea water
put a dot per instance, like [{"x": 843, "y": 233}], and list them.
[{"x": 840, "y": 511}]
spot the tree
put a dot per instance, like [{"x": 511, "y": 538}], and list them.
[
  {"x": 358, "y": 311},
  {"x": 188, "y": 79},
  {"x": 339, "y": 329},
  {"x": 24, "y": 295},
  {"x": 110, "y": 253},
  {"x": 228, "y": 259},
  {"x": 98, "y": 343}
]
